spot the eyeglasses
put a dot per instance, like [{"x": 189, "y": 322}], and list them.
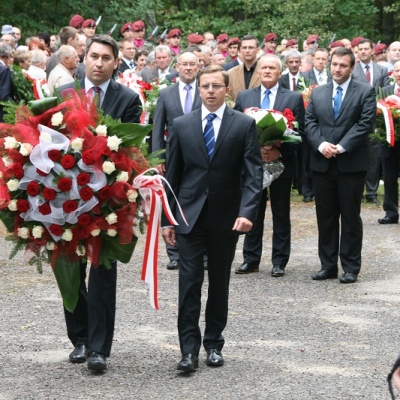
[
  {"x": 214, "y": 86},
  {"x": 185, "y": 64}
]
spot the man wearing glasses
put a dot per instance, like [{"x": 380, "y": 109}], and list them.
[{"x": 215, "y": 169}]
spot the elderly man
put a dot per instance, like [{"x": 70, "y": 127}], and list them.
[
  {"x": 163, "y": 60},
  {"x": 392, "y": 55},
  {"x": 6, "y": 88},
  {"x": 63, "y": 73},
  {"x": 38, "y": 65}
]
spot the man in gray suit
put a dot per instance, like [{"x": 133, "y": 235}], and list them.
[
  {"x": 377, "y": 76},
  {"x": 175, "y": 101},
  {"x": 163, "y": 58},
  {"x": 339, "y": 118}
]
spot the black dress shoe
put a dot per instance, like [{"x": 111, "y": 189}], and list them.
[
  {"x": 278, "y": 270},
  {"x": 307, "y": 199},
  {"x": 372, "y": 200},
  {"x": 214, "y": 358},
  {"x": 348, "y": 277},
  {"x": 97, "y": 362},
  {"x": 189, "y": 363},
  {"x": 173, "y": 264},
  {"x": 79, "y": 355},
  {"x": 324, "y": 274},
  {"x": 387, "y": 220},
  {"x": 246, "y": 268}
]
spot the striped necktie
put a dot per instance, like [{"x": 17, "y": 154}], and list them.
[{"x": 209, "y": 134}]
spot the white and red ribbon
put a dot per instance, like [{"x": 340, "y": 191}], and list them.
[
  {"x": 388, "y": 117},
  {"x": 153, "y": 193}
]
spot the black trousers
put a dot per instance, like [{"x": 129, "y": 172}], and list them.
[{"x": 391, "y": 167}]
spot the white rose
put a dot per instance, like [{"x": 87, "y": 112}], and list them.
[
  {"x": 57, "y": 119},
  {"x": 23, "y": 233},
  {"x": 7, "y": 161},
  {"x": 111, "y": 232},
  {"x": 101, "y": 130},
  {"x": 50, "y": 246},
  {"x": 37, "y": 231},
  {"x": 95, "y": 232},
  {"x": 67, "y": 235},
  {"x": 113, "y": 143},
  {"x": 26, "y": 149},
  {"x": 132, "y": 195},
  {"x": 45, "y": 137},
  {"x": 80, "y": 250},
  {"x": 12, "y": 205},
  {"x": 77, "y": 143},
  {"x": 10, "y": 143},
  {"x": 12, "y": 185},
  {"x": 112, "y": 218},
  {"x": 123, "y": 176},
  {"x": 108, "y": 167}
]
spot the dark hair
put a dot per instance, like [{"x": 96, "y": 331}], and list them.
[
  {"x": 210, "y": 70},
  {"x": 249, "y": 37},
  {"x": 45, "y": 37},
  {"x": 371, "y": 45},
  {"x": 67, "y": 33},
  {"x": 141, "y": 53},
  {"x": 344, "y": 51},
  {"x": 107, "y": 41}
]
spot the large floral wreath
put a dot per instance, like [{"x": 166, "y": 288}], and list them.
[{"x": 66, "y": 185}]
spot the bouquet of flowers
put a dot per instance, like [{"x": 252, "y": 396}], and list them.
[
  {"x": 273, "y": 128},
  {"x": 66, "y": 186},
  {"x": 387, "y": 125},
  {"x": 27, "y": 88},
  {"x": 305, "y": 90},
  {"x": 151, "y": 95}
]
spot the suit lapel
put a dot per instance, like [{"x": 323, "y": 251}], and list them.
[
  {"x": 349, "y": 94},
  {"x": 110, "y": 96},
  {"x": 177, "y": 99},
  {"x": 197, "y": 130},
  {"x": 280, "y": 94},
  {"x": 227, "y": 120},
  {"x": 328, "y": 98},
  {"x": 256, "y": 96}
]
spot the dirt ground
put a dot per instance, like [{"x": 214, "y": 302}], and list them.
[{"x": 287, "y": 338}]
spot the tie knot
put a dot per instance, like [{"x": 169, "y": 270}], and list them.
[
  {"x": 96, "y": 89},
  {"x": 339, "y": 89},
  {"x": 211, "y": 116},
  {"x": 267, "y": 92},
  {"x": 367, "y": 66},
  {"x": 187, "y": 87}
]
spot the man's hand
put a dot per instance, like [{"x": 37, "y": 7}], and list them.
[
  {"x": 169, "y": 236},
  {"x": 270, "y": 153},
  {"x": 330, "y": 150},
  {"x": 161, "y": 169},
  {"x": 241, "y": 225}
]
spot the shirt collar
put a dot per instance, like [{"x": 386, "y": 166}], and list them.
[
  {"x": 273, "y": 90},
  {"x": 183, "y": 84},
  {"x": 219, "y": 112},
  {"x": 343, "y": 85},
  {"x": 103, "y": 86}
]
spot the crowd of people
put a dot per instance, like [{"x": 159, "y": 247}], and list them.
[{"x": 219, "y": 182}]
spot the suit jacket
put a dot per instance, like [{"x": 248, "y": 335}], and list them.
[
  {"x": 285, "y": 98},
  {"x": 196, "y": 180},
  {"x": 236, "y": 80},
  {"x": 6, "y": 87},
  {"x": 285, "y": 83},
  {"x": 119, "y": 101},
  {"x": 380, "y": 77},
  {"x": 167, "y": 109},
  {"x": 350, "y": 130},
  {"x": 123, "y": 66},
  {"x": 230, "y": 65},
  {"x": 151, "y": 74},
  {"x": 311, "y": 79}
]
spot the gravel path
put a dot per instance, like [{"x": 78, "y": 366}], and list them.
[{"x": 287, "y": 338}]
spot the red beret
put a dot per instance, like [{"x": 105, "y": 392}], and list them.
[
  {"x": 89, "y": 23},
  {"x": 291, "y": 42},
  {"x": 127, "y": 26},
  {"x": 76, "y": 21},
  {"x": 234, "y": 40},
  {"x": 270, "y": 37},
  {"x": 338, "y": 43},
  {"x": 312, "y": 39},
  {"x": 138, "y": 25},
  {"x": 380, "y": 48},
  {"x": 356, "y": 41},
  {"x": 195, "y": 38},
  {"x": 223, "y": 37},
  {"x": 174, "y": 32}
]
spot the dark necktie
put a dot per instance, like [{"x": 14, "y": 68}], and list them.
[
  {"x": 209, "y": 135},
  {"x": 188, "y": 99},
  {"x": 368, "y": 74},
  {"x": 96, "y": 95},
  {"x": 131, "y": 65},
  {"x": 266, "y": 102},
  {"x": 294, "y": 84},
  {"x": 337, "y": 101}
]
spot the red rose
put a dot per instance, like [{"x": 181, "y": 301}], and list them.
[
  {"x": 49, "y": 194},
  {"x": 69, "y": 206},
  {"x": 64, "y": 184},
  {"x": 104, "y": 193},
  {"x": 41, "y": 173},
  {"x": 55, "y": 229},
  {"x": 81, "y": 232},
  {"x": 23, "y": 205},
  {"x": 86, "y": 193},
  {"x": 33, "y": 188},
  {"x": 68, "y": 161},
  {"x": 83, "y": 178},
  {"x": 54, "y": 155},
  {"x": 18, "y": 171},
  {"x": 87, "y": 157},
  {"x": 84, "y": 219},
  {"x": 45, "y": 209}
]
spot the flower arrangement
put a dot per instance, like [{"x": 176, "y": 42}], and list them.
[
  {"x": 66, "y": 186},
  {"x": 151, "y": 95},
  {"x": 305, "y": 90},
  {"x": 27, "y": 88},
  {"x": 273, "y": 128}
]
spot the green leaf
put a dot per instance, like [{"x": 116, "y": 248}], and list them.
[
  {"x": 40, "y": 106},
  {"x": 7, "y": 217},
  {"x": 131, "y": 134},
  {"x": 67, "y": 274},
  {"x": 121, "y": 252}
]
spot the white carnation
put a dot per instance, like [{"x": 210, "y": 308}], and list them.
[
  {"x": 67, "y": 235},
  {"x": 112, "y": 218},
  {"x": 10, "y": 143},
  {"x": 50, "y": 246},
  {"x": 111, "y": 232},
  {"x": 123, "y": 176},
  {"x": 7, "y": 161},
  {"x": 23, "y": 233},
  {"x": 108, "y": 167},
  {"x": 132, "y": 195},
  {"x": 101, "y": 130},
  {"x": 77, "y": 144},
  {"x": 12, "y": 185},
  {"x": 95, "y": 232},
  {"x": 113, "y": 143},
  {"x": 12, "y": 205},
  {"x": 26, "y": 149},
  {"x": 37, "y": 231},
  {"x": 57, "y": 119},
  {"x": 80, "y": 250}
]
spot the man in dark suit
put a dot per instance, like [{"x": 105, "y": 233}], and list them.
[
  {"x": 217, "y": 180},
  {"x": 6, "y": 88},
  {"x": 269, "y": 71},
  {"x": 339, "y": 118},
  {"x": 377, "y": 76},
  {"x": 175, "y": 101},
  {"x": 91, "y": 325},
  {"x": 391, "y": 163},
  {"x": 128, "y": 51},
  {"x": 318, "y": 75},
  {"x": 163, "y": 59}
]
